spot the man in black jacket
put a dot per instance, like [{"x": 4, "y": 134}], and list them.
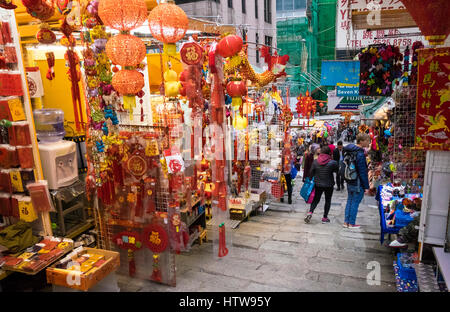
[
  {"x": 356, "y": 188},
  {"x": 338, "y": 156},
  {"x": 322, "y": 170}
]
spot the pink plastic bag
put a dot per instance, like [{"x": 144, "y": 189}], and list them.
[{"x": 311, "y": 196}]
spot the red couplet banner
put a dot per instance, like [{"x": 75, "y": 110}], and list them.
[{"x": 433, "y": 100}]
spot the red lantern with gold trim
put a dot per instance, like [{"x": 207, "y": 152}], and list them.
[{"x": 126, "y": 50}]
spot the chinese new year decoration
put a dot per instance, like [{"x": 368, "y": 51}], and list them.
[
  {"x": 156, "y": 239},
  {"x": 433, "y": 100},
  {"x": 431, "y": 16},
  {"x": 168, "y": 23}
]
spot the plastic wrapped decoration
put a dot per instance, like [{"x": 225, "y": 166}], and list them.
[
  {"x": 156, "y": 239},
  {"x": 130, "y": 241},
  {"x": 45, "y": 35}
]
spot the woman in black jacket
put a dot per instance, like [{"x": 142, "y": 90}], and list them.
[{"x": 322, "y": 170}]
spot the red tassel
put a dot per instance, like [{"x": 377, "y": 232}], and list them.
[
  {"x": 131, "y": 263},
  {"x": 139, "y": 204},
  {"x": 223, "y": 250},
  {"x": 142, "y": 112}
]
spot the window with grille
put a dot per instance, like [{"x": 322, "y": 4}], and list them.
[
  {"x": 230, "y": 3},
  {"x": 268, "y": 42}
]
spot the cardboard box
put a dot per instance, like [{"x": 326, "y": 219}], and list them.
[{"x": 85, "y": 281}]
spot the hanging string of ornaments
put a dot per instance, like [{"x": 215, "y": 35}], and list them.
[{"x": 124, "y": 49}]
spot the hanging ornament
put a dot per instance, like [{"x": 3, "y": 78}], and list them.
[
  {"x": 230, "y": 45},
  {"x": 126, "y": 50},
  {"x": 123, "y": 15},
  {"x": 45, "y": 35},
  {"x": 130, "y": 241},
  {"x": 168, "y": 23},
  {"x": 7, "y": 4},
  {"x": 171, "y": 85},
  {"x": 236, "y": 89},
  {"x": 40, "y": 9},
  {"x": 191, "y": 53},
  {"x": 156, "y": 239}
]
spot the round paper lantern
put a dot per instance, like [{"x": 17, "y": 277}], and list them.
[
  {"x": 230, "y": 45},
  {"x": 236, "y": 89},
  {"x": 123, "y": 15},
  {"x": 168, "y": 23},
  {"x": 125, "y": 50},
  {"x": 128, "y": 82}
]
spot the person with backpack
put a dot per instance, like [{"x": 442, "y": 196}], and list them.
[
  {"x": 323, "y": 172},
  {"x": 354, "y": 170}
]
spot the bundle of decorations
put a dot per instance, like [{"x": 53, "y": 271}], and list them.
[{"x": 380, "y": 65}]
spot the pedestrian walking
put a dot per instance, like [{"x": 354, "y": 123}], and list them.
[
  {"x": 331, "y": 146},
  {"x": 338, "y": 156},
  {"x": 323, "y": 172},
  {"x": 356, "y": 187},
  {"x": 313, "y": 153}
]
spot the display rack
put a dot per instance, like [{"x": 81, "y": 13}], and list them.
[
  {"x": 409, "y": 162},
  {"x": 14, "y": 72}
]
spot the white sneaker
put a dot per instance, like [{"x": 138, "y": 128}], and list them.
[{"x": 396, "y": 243}]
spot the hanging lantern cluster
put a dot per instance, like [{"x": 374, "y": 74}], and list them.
[
  {"x": 306, "y": 106},
  {"x": 124, "y": 49},
  {"x": 168, "y": 23}
]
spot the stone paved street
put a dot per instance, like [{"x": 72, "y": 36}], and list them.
[{"x": 277, "y": 251}]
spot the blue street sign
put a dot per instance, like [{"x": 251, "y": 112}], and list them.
[{"x": 334, "y": 72}]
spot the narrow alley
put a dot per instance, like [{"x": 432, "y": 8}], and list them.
[{"x": 277, "y": 251}]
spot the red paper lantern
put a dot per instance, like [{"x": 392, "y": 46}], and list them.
[
  {"x": 126, "y": 50},
  {"x": 230, "y": 45},
  {"x": 123, "y": 15},
  {"x": 168, "y": 23},
  {"x": 236, "y": 88},
  {"x": 432, "y": 18},
  {"x": 191, "y": 53},
  {"x": 128, "y": 82}
]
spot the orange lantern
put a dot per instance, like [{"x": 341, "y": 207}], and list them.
[
  {"x": 123, "y": 15},
  {"x": 230, "y": 45},
  {"x": 168, "y": 23},
  {"x": 128, "y": 82},
  {"x": 125, "y": 50}
]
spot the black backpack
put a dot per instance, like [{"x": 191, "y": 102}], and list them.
[{"x": 348, "y": 167}]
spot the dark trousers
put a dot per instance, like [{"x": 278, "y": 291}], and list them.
[
  {"x": 318, "y": 194},
  {"x": 339, "y": 181},
  {"x": 289, "y": 187}
]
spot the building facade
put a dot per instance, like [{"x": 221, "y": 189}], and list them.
[{"x": 254, "y": 18}]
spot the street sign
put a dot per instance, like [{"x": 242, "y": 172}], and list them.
[
  {"x": 346, "y": 89},
  {"x": 334, "y": 72}
]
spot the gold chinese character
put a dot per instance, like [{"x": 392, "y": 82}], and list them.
[
  {"x": 426, "y": 94},
  {"x": 434, "y": 67},
  {"x": 191, "y": 55},
  {"x": 154, "y": 238}
]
